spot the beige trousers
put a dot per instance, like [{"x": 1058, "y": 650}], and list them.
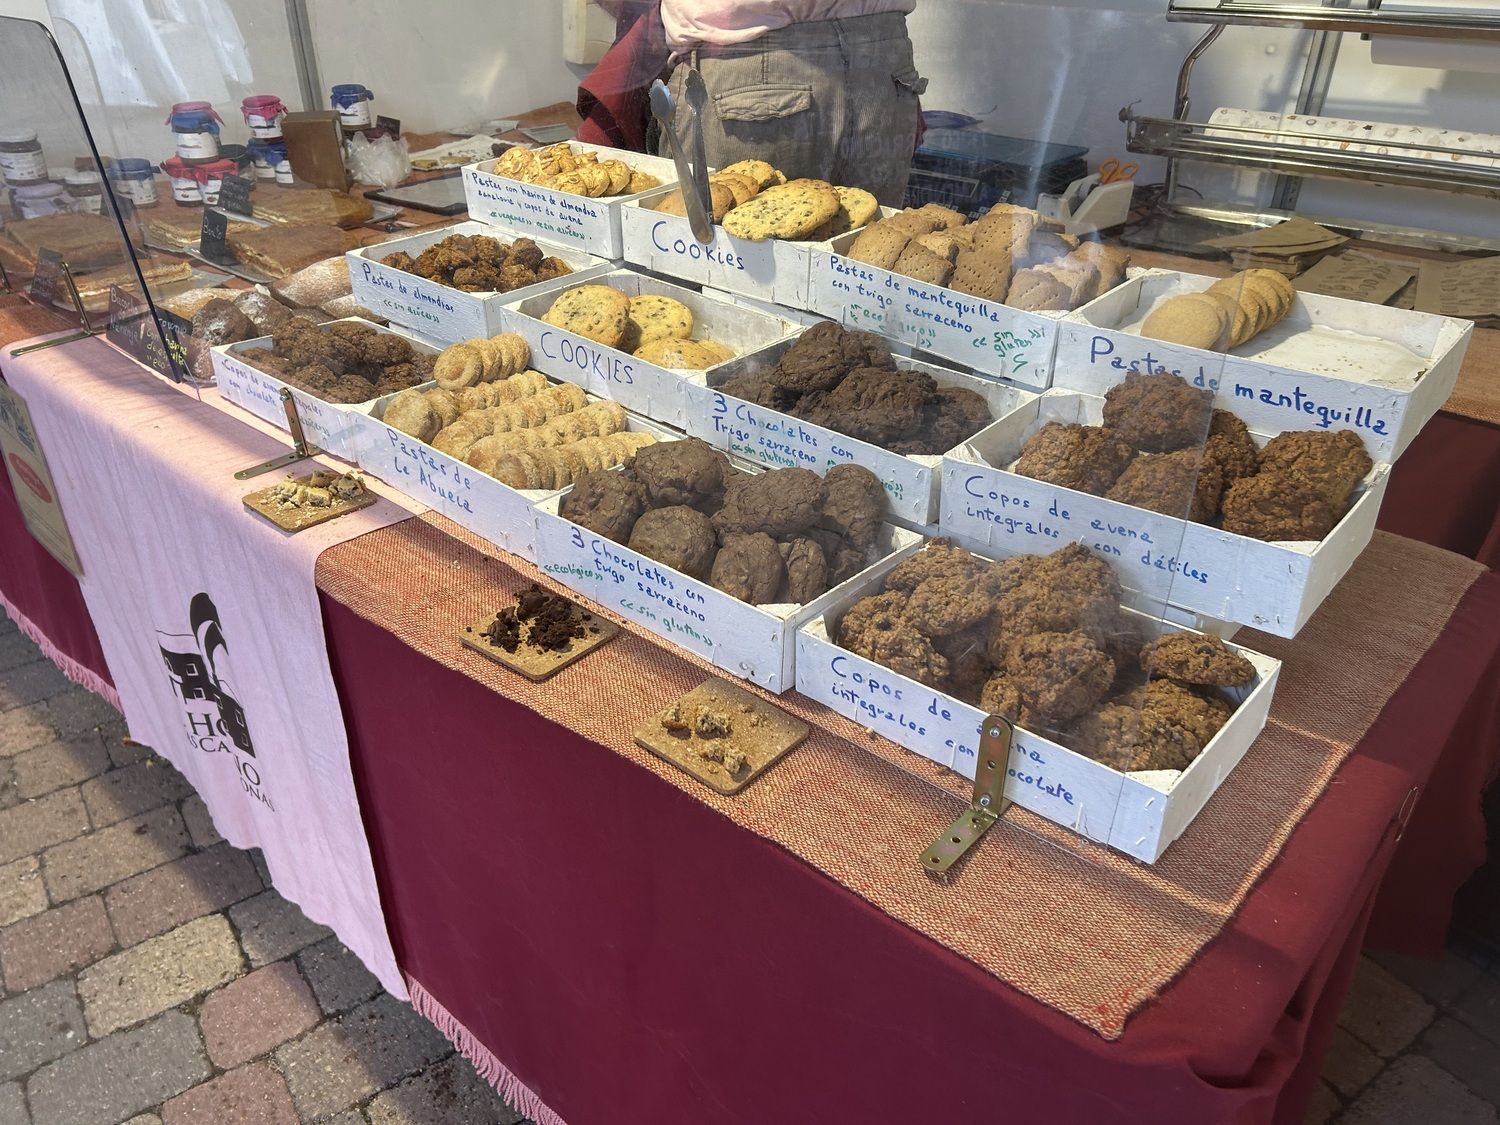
[{"x": 835, "y": 100}]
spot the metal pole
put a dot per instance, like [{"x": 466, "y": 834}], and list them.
[
  {"x": 1317, "y": 76},
  {"x": 304, "y": 54}
]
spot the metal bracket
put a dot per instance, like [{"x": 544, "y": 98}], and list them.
[
  {"x": 83, "y": 318},
  {"x": 301, "y": 451},
  {"x": 986, "y": 806}
]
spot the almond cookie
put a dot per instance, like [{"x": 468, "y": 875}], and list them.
[
  {"x": 656, "y": 317},
  {"x": 758, "y": 171},
  {"x": 921, "y": 263},
  {"x": 641, "y": 181},
  {"x": 459, "y": 366},
  {"x": 595, "y": 312},
  {"x": 445, "y": 404},
  {"x": 720, "y": 196},
  {"x": 880, "y": 245},
  {"x": 788, "y": 211},
  {"x": 619, "y": 175},
  {"x": 981, "y": 273},
  {"x": 514, "y": 162},
  {"x": 412, "y": 414},
  {"x": 1193, "y": 320},
  {"x": 683, "y": 355}
]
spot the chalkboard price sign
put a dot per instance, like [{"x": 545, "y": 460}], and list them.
[
  {"x": 211, "y": 240},
  {"x": 234, "y": 195}
]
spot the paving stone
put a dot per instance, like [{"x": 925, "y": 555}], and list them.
[
  {"x": 339, "y": 979},
  {"x": 22, "y": 891},
  {"x": 108, "y": 855},
  {"x": 16, "y": 649},
  {"x": 450, "y": 1093},
  {"x": 22, "y": 729},
  {"x": 1349, "y": 1064},
  {"x": 79, "y": 711},
  {"x": 249, "y": 1017},
  {"x": 252, "y": 1095},
  {"x": 1382, "y": 1012},
  {"x": 272, "y": 929},
  {"x": 145, "y": 1119},
  {"x": 39, "y": 824},
  {"x": 10, "y": 794},
  {"x": 133, "y": 790},
  {"x": 1465, "y": 1054},
  {"x": 55, "y": 764},
  {"x": 124, "y": 752},
  {"x": 1323, "y": 1106},
  {"x": 199, "y": 824},
  {"x": 375, "y": 1046},
  {"x": 258, "y": 858},
  {"x": 32, "y": 683},
  {"x": 37, "y": 1027},
  {"x": 177, "y": 892},
  {"x": 118, "y": 1077},
  {"x": 348, "y": 1117},
  {"x": 1416, "y": 1089},
  {"x": 62, "y": 939},
  {"x": 13, "y": 1105},
  {"x": 159, "y": 974},
  {"x": 1441, "y": 980},
  {"x": 1479, "y": 1007}
]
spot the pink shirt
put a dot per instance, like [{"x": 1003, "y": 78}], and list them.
[{"x": 721, "y": 22}]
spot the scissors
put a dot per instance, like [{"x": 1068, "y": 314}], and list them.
[{"x": 1113, "y": 172}]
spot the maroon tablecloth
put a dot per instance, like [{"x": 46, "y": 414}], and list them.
[
  {"x": 1445, "y": 489},
  {"x": 633, "y": 956}
]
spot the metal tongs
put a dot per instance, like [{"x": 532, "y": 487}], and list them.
[{"x": 692, "y": 179}]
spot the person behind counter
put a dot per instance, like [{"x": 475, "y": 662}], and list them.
[{"x": 826, "y": 89}]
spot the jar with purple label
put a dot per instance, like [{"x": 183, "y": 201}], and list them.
[
  {"x": 196, "y": 127},
  {"x": 353, "y": 103},
  {"x": 212, "y": 176},
  {"x": 263, "y": 114},
  {"x": 33, "y": 201},
  {"x": 21, "y": 159},
  {"x": 134, "y": 179}
]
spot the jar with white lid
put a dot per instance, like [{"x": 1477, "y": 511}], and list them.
[
  {"x": 87, "y": 190},
  {"x": 134, "y": 179},
  {"x": 195, "y": 126},
  {"x": 353, "y": 104},
  {"x": 33, "y": 201},
  {"x": 21, "y": 159}
]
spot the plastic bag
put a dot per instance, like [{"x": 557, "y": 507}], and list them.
[{"x": 385, "y": 161}]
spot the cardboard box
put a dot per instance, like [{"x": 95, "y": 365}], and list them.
[
  {"x": 476, "y": 501},
  {"x": 990, "y": 337},
  {"x": 559, "y": 217},
  {"x": 328, "y": 425},
  {"x": 1139, "y": 814},
  {"x": 441, "y": 312},
  {"x": 1275, "y": 587},
  {"x": 778, "y": 440},
  {"x": 756, "y": 643},
  {"x": 773, "y": 270},
  {"x": 655, "y": 391},
  {"x": 1380, "y": 371}
]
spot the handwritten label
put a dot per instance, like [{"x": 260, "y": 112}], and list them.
[
  {"x": 234, "y": 195},
  {"x": 47, "y": 283},
  {"x": 556, "y": 216},
  {"x": 434, "y": 310},
  {"x": 212, "y": 235},
  {"x": 326, "y": 425},
  {"x": 771, "y": 270},
  {"x": 991, "y": 338},
  {"x": 131, "y": 328}
]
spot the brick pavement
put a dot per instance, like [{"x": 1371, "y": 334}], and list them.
[{"x": 149, "y": 975}]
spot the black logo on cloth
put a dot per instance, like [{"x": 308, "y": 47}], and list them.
[{"x": 198, "y": 664}]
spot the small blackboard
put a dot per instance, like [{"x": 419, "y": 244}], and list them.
[
  {"x": 211, "y": 240},
  {"x": 391, "y": 123},
  {"x": 131, "y": 329},
  {"x": 234, "y": 195},
  {"x": 47, "y": 282}
]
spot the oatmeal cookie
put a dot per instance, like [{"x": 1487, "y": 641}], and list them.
[
  {"x": 1196, "y": 658},
  {"x": 1158, "y": 413},
  {"x": 1084, "y": 458}
]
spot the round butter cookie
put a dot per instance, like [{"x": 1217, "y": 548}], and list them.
[
  {"x": 758, "y": 171},
  {"x": 1193, "y": 320},
  {"x": 671, "y": 352},
  {"x": 459, "y": 366}
]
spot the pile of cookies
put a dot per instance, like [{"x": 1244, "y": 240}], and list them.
[
  {"x": 649, "y": 326},
  {"x": 1164, "y": 447},
  {"x": 516, "y": 427},
  {"x": 784, "y": 536},
  {"x": 345, "y": 362},
  {"x": 1011, "y": 254},
  {"x": 1043, "y": 641},
  {"x": 477, "y": 263},
  {"x": 1230, "y": 312},
  {"x": 580, "y": 173},
  {"x": 754, "y": 200}
]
